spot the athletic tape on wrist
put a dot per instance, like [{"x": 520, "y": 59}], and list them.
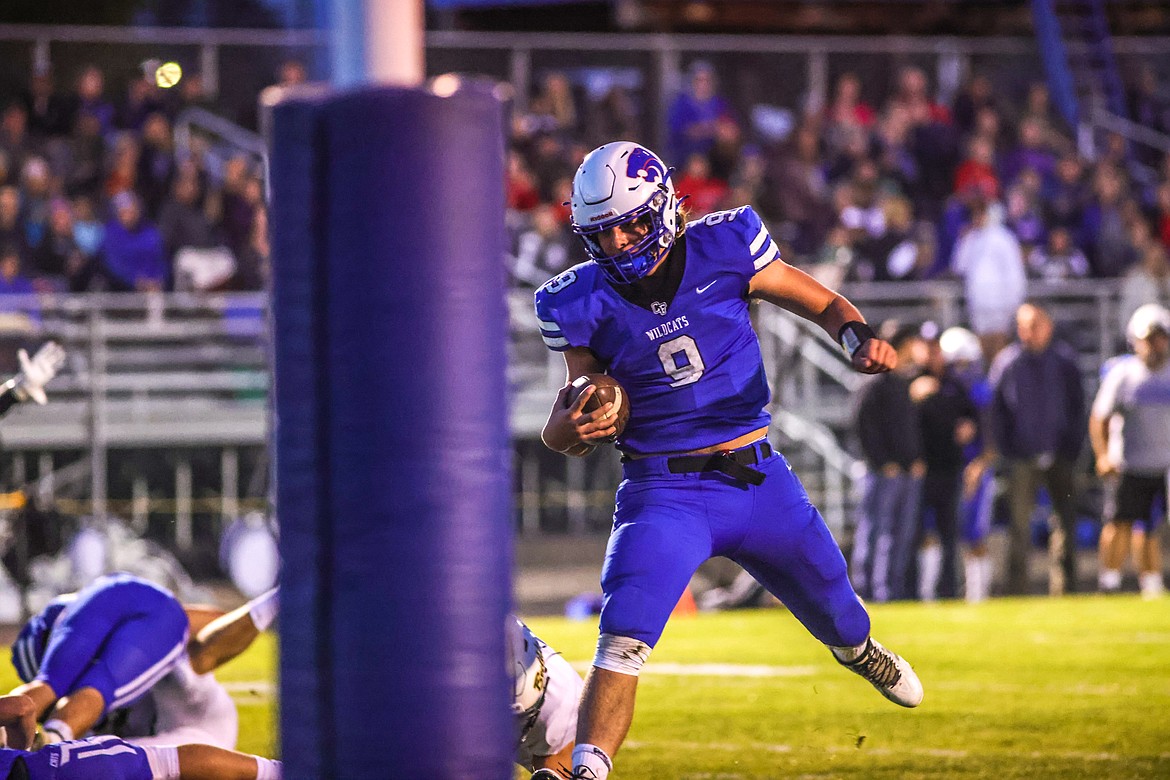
[{"x": 852, "y": 335}]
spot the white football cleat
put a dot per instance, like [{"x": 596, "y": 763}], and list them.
[{"x": 888, "y": 672}]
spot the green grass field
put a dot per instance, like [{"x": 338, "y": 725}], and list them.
[{"x": 1015, "y": 688}]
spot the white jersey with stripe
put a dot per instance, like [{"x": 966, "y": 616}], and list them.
[{"x": 692, "y": 366}]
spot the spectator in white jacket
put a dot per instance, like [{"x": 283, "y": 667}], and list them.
[{"x": 989, "y": 260}]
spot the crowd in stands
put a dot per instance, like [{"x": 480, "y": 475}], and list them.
[
  {"x": 95, "y": 196},
  {"x": 990, "y": 189}
]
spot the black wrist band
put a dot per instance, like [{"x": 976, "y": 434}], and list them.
[{"x": 852, "y": 335}]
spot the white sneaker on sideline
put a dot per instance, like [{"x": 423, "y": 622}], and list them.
[
  {"x": 888, "y": 672},
  {"x": 1151, "y": 584}
]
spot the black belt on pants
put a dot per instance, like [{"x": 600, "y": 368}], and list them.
[{"x": 733, "y": 463}]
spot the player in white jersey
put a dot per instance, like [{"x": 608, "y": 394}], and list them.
[
  {"x": 546, "y": 693},
  {"x": 1130, "y": 429},
  {"x": 189, "y": 705}
]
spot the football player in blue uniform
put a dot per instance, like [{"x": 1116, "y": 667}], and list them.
[
  {"x": 97, "y": 650},
  {"x": 963, "y": 353},
  {"x": 109, "y": 758},
  {"x": 663, "y": 308}
]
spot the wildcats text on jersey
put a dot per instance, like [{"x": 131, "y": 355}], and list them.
[{"x": 666, "y": 328}]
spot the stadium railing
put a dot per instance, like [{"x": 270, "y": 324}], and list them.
[
  {"x": 150, "y": 379},
  {"x": 185, "y": 377}
]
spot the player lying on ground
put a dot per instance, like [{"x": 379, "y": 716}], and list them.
[
  {"x": 122, "y": 643},
  {"x": 547, "y": 691},
  {"x": 189, "y": 705},
  {"x": 110, "y": 758},
  {"x": 664, "y": 309}
]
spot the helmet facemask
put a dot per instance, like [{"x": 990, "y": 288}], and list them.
[
  {"x": 618, "y": 184},
  {"x": 638, "y": 259}
]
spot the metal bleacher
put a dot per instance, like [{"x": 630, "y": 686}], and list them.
[{"x": 157, "y": 389}]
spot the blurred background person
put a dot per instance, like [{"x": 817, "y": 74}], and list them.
[
  {"x": 949, "y": 422},
  {"x": 887, "y": 426},
  {"x": 1037, "y": 421},
  {"x": 990, "y": 262},
  {"x": 1129, "y": 429},
  {"x": 695, "y": 113},
  {"x": 133, "y": 257},
  {"x": 964, "y": 358}
]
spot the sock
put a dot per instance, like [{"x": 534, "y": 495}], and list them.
[
  {"x": 57, "y": 731},
  {"x": 929, "y": 572},
  {"x": 163, "y": 761},
  {"x": 1151, "y": 584},
  {"x": 267, "y": 769},
  {"x": 1109, "y": 579},
  {"x": 263, "y": 609},
  {"x": 849, "y": 654},
  {"x": 974, "y": 580},
  {"x": 590, "y": 762}
]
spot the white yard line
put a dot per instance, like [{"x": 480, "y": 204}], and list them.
[
  {"x": 716, "y": 670},
  {"x": 759, "y": 747},
  {"x": 246, "y": 688}
]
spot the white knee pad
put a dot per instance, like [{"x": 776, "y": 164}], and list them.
[{"x": 621, "y": 654}]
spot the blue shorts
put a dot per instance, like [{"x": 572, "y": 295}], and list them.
[
  {"x": 666, "y": 524},
  {"x": 98, "y": 758},
  {"x": 120, "y": 636}
]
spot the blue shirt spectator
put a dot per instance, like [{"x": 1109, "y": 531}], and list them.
[
  {"x": 133, "y": 251},
  {"x": 695, "y": 114},
  {"x": 14, "y": 283}
]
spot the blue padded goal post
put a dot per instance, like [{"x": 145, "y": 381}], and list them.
[{"x": 393, "y": 464}]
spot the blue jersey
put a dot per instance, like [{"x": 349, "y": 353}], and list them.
[
  {"x": 97, "y": 758},
  {"x": 691, "y": 366},
  {"x": 30, "y": 644}
]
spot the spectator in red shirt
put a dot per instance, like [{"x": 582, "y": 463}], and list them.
[
  {"x": 521, "y": 184},
  {"x": 705, "y": 191},
  {"x": 1163, "y": 216},
  {"x": 847, "y": 107},
  {"x": 978, "y": 170}
]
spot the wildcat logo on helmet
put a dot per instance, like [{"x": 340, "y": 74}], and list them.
[{"x": 642, "y": 164}]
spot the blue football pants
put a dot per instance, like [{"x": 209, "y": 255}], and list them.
[
  {"x": 666, "y": 525},
  {"x": 121, "y": 636}
]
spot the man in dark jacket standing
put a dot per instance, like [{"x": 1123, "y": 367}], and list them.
[
  {"x": 1037, "y": 421},
  {"x": 886, "y": 422}
]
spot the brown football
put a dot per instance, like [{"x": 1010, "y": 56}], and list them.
[{"x": 608, "y": 391}]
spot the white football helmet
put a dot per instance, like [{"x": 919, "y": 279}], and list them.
[
  {"x": 528, "y": 672},
  {"x": 620, "y": 182},
  {"x": 1145, "y": 320},
  {"x": 960, "y": 345}
]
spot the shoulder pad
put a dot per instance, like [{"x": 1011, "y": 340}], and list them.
[{"x": 736, "y": 228}]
